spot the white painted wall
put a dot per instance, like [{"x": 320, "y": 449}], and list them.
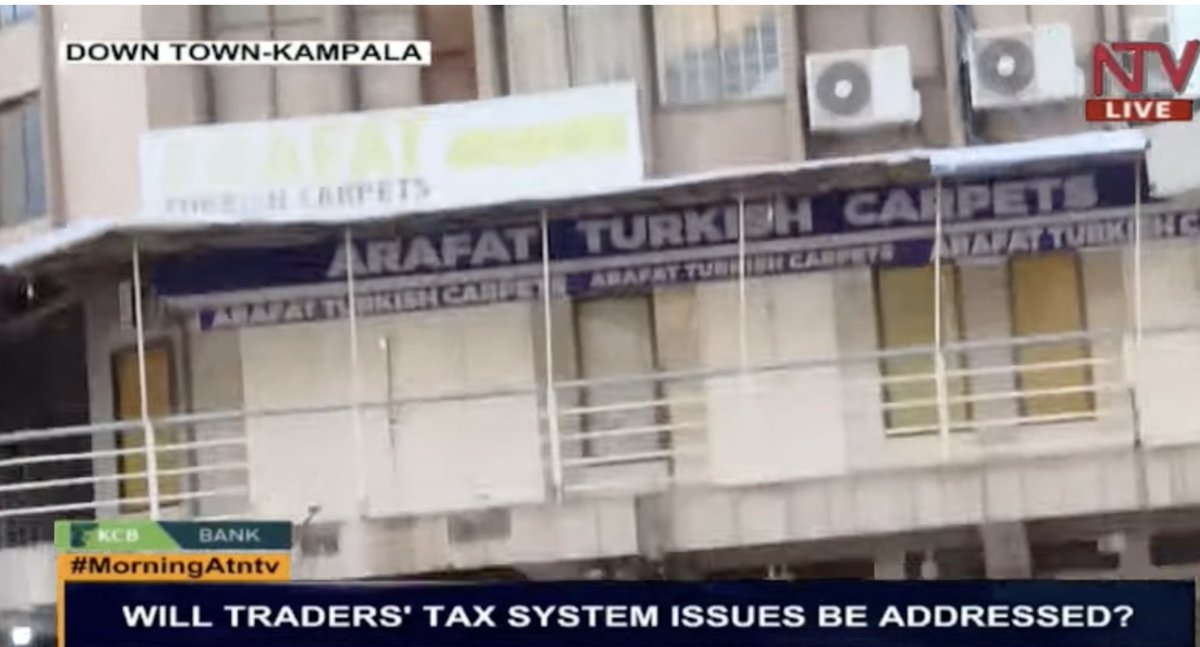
[
  {"x": 1168, "y": 364},
  {"x": 427, "y": 455},
  {"x": 215, "y": 380},
  {"x": 781, "y": 425},
  {"x": 298, "y": 461},
  {"x": 445, "y": 455},
  {"x": 29, "y": 576},
  {"x": 101, "y": 115}
]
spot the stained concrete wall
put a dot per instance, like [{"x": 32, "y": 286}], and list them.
[{"x": 421, "y": 454}]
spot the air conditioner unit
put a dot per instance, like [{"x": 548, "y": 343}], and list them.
[
  {"x": 857, "y": 90},
  {"x": 1152, "y": 30},
  {"x": 1012, "y": 68}
]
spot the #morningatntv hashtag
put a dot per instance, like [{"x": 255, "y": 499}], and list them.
[{"x": 245, "y": 567}]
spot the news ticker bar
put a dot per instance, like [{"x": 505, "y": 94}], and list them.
[
  {"x": 125, "y": 536},
  {"x": 619, "y": 614}
]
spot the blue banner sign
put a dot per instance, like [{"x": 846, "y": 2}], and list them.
[
  {"x": 596, "y": 255},
  {"x": 619, "y": 614}
]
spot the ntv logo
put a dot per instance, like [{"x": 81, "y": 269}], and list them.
[{"x": 1125, "y": 63}]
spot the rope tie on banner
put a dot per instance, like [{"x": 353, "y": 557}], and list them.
[
  {"x": 150, "y": 440},
  {"x": 939, "y": 357},
  {"x": 743, "y": 334},
  {"x": 552, "y": 413},
  {"x": 355, "y": 375}
]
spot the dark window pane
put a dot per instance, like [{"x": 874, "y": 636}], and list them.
[
  {"x": 35, "y": 167},
  {"x": 11, "y": 14}
]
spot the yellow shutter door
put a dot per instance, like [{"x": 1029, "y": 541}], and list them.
[
  {"x": 128, "y": 407},
  {"x": 1047, "y": 299},
  {"x": 905, "y": 297}
]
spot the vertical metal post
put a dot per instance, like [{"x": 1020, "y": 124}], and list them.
[
  {"x": 743, "y": 334},
  {"x": 360, "y": 474},
  {"x": 149, "y": 444},
  {"x": 1133, "y": 355},
  {"x": 1137, "y": 259},
  {"x": 939, "y": 357},
  {"x": 552, "y": 419}
]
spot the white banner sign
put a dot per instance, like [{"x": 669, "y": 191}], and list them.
[{"x": 396, "y": 161}]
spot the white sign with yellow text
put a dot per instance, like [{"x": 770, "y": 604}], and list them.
[{"x": 395, "y": 161}]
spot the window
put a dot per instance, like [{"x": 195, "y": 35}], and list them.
[
  {"x": 127, "y": 395},
  {"x": 242, "y": 92},
  {"x": 905, "y": 301},
  {"x": 258, "y": 92},
  {"x": 1047, "y": 299},
  {"x": 593, "y": 45},
  {"x": 22, "y": 166},
  {"x": 708, "y": 54},
  {"x": 605, "y": 43},
  {"x": 251, "y": 93},
  {"x": 12, "y": 14}
]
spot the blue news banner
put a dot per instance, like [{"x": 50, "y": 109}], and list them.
[{"x": 633, "y": 614}]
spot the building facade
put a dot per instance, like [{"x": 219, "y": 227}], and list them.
[{"x": 997, "y": 413}]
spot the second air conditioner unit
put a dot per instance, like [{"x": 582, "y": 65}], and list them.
[
  {"x": 864, "y": 89},
  {"x": 1025, "y": 66}
]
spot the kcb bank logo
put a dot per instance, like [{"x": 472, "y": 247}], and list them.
[{"x": 80, "y": 532}]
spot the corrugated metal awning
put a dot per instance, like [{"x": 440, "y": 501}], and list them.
[{"x": 104, "y": 240}]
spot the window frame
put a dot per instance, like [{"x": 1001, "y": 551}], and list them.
[
  {"x": 187, "y": 456},
  {"x": 722, "y": 97},
  {"x": 956, "y": 425},
  {"x": 12, "y": 15},
  {"x": 571, "y": 41},
  {"x": 28, "y": 110},
  {"x": 1089, "y": 377}
]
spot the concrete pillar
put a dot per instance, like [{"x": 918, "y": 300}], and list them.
[
  {"x": 489, "y": 66},
  {"x": 930, "y": 569},
  {"x": 1006, "y": 550},
  {"x": 1135, "y": 556},
  {"x": 653, "y": 514},
  {"x": 889, "y": 563},
  {"x": 178, "y": 94}
]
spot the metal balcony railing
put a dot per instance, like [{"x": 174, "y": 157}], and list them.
[
  {"x": 1053, "y": 381},
  {"x": 99, "y": 470},
  {"x": 1007, "y": 399}
]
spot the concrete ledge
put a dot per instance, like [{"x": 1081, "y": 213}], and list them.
[
  {"x": 595, "y": 529},
  {"x": 917, "y": 500}
]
